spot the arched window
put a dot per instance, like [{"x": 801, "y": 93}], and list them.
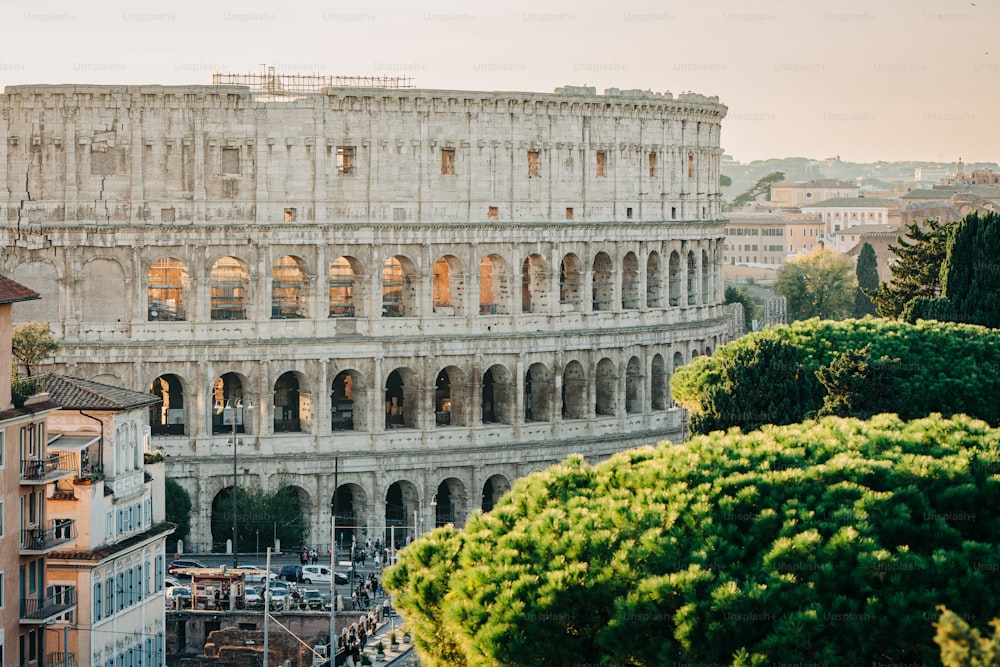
[
  {"x": 602, "y": 286},
  {"x": 494, "y": 286},
  {"x": 448, "y": 286},
  {"x": 534, "y": 287},
  {"x": 167, "y": 417},
  {"x": 538, "y": 393},
  {"x": 167, "y": 283},
  {"x": 230, "y": 285},
  {"x": 630, "y": 282},
  {"x": 605, "y": 404},
  {"x": 654, "y": 281},
  {"x": 344, "y": 277},
  {"x": 569, "y": 281},
  {"x": 289, "y": 298}
]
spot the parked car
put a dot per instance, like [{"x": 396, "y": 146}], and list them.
[
  {"x": 310, "y": 598},
  {"x": 278, "y": 591},
  {"x": 170, "y": 582},
  {"x": 256, "y": 574},
  {"x": 291, "y": 573},
  {"x": 183, "y": 565},
  {"x": 179, "y": 593},
  {"x": 252, "y": 597}
]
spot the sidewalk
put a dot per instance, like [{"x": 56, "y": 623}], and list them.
[{"x": 402, "y": 656}]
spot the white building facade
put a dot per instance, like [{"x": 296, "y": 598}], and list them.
[{"x": 423, "y": 294}]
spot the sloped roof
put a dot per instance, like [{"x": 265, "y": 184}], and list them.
[
  {"x": 76, "y": 394},
  {"x": 850, "y": 202},
  {"x": 826, "y": 183},
  {"x": 12, "y": 292}
]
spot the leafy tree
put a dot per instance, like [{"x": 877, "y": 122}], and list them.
[
  {"x": 916, "y": 272},
  {"x": 177, "y": 504},
  {"x": 935, "y": 367},
  {"x": 970, "y": 276},
  {"x": 263, "y": 516},
  {"x": 964, "y": 646},
  {"x": 761, "y": 188},
  {"x": 868, "y": 282},
  {"x": 33, "y": 343},
  {"x": 827, "y": 542},
  {"x": 750, "y": 308},
  {"x": 725, "y": 181},
  {"x": 817, "y": 284}
]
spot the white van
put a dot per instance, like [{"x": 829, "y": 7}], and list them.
[{"x": 320, "y": 574}]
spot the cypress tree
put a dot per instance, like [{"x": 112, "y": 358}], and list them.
[
  {"x": 868, "y": 282},
  {"x": 970, "y": 277},
  {"x": 917, "y": 269}
]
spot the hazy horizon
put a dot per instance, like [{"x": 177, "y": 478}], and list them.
[{"x": 897, "y": 81}]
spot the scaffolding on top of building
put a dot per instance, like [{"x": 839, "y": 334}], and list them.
[{"x": 285, "y": 84}]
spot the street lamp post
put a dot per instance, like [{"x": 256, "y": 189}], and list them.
[{"x": 234, "y": 407}]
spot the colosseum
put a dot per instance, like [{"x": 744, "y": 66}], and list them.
[{"x": 395, "y": 300}]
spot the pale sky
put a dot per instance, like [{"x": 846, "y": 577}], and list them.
[{"x": 866, "y": 80}]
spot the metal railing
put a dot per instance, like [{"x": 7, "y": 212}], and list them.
[
  {"x": 47, "y": 469},
  {"x": 57, "y": 600},
  {"x": 60, "y": 660},
  {"x": 50, "y": 536}
]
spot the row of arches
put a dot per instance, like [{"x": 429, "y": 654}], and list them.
[
  {"x": 395, "y": 516},
  {"x": 689, "y": 277},
  {"x": 458, "y": 396}
]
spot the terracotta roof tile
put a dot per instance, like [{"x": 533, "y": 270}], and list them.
[
  {"x": 12, "y": 292},
  {"x": 76, "y": 394}
]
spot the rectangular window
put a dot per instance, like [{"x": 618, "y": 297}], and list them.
[
  {"x": 1, "y": 593},
  {"x": 690, "y": 165},
  {"x": 290, "y": 214},
  {"x": 602, "y": 159},
  {"x": 628, "y": 212},
  {"x": 120, "y": 591},
  {"x": 448, "y": 161},
  {"x": 345, "y": 159},
  {"x": 109, "y": 596},
  {"x": 149, "y": 577},
  {"x": 652, "y": 165},
  {"x": 493, "y": 213},
  {"x": 673, "y": 212},
  {"x": 98, "y": 600},
  {"x": 534, "y": 164},
  {"x": 230, "y": 161},
  {"x": 159, "y": 573},
  {"x": 569, "y": 212}
]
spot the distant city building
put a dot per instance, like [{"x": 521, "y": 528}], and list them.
[
  {"x": 801, "y": 194},
  {"x": 844, "y": 212}
]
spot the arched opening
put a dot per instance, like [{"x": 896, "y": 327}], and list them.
[
  {"x": 706, "y": 269},
  {"x": 633, "y": 386},
  {"x": 678, "y": 360},
  {"x": 574, "y": 391},
  {"x": 287, "y": 404},
  {"x": 654, "y": 281},
  {"x": 569, "y": 281},
  {"x": 534, "y": 288},
  {"x": 674, "y": 283},
  {"x": 498, "y": 396},
  {"x": 605, "y": 404},
  {"x": 493, "y": 490},
  {"x": 630, "y": 282},
  {"x": 400, "y": 410},
  {"x": 494, "y": 286},
  {"x": 167, "y": 418},
  {"x": 167, "y": 283},
  {"x": 229, "y": 404},
  {"x": 602, "y": 286},
  {"x": 402, "y": 503},
  {"x": 442, "y": 399},
  {"x": 399, "y": 295},
  {"x": 345, "y": 275},
  {"x": 659, "y": 383},
  {"x": 289, "y": 289},
  {"x": 692, "y": 275},
  {"x": 538, "y": 393},
  {"x": 346, "y": 506},
  {"x": 347, "y": 402},
  {"x": 229, "y": 287},
  {"x": 449, "y": 503},
  {"x": 262, "y": 517},
  {"x": 448, "y": 286}
]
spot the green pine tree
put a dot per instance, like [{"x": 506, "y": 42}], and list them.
[
  {"x": 917, "y": 269},
  {"x": 970, "y": 277},
  {"x": 868, "y": 282}
]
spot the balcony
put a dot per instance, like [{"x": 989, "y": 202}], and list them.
[
  {"x": 57, "y": 601},
  {"x": 41, "y": 540},
  {"x": 60, "y": 660},
  {"x": 50, "y": 469}
]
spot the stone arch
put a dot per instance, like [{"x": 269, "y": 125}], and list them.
[
  {"x": 449, "y": 397},
  {"x": 674, "y": 279},
  {"x": 345, "y": 285},
  {"x": 630, "y": 282},
  {"x": 229, "y": 289},
  {"x": 43, "y": 278},
  {"x": 605, "y": 385},
  {"x": 602, "y": 285},
  {"x": 570, "y": 281},
  {"x": 451, "y": 503},
  {"x": 494, "y": 286},
  {"x": 221, "y": 520},
  {"x": 654, "y": 281},
  {"x": 534, "y": 286},
  {"x": 289, "y": 288},
  {"x": 347, "y": 504},
  {"x": 574, "y": 391},
  {"x": 448, "y": 286},
  {"x": 167, "y": 283},
  {"x": 167, "y": 417},
  {"x": 348, "y": 402},
  {"x": 401, "y": 399},
  {"x": 692, "y": 275},
  {"x": 103, "y": 292},
  {"x": 538, "y": 393},
  {"x": 402, "y": 504},
  {"x": 633, "y": 386},
  {"x": 498, "y": 396},
  {"x": 230, "y": 401},
  {"x": 678, "y": 360},
  {"x": 399, "y": 287},
  {"x": 493, "y": 489},
  {"x": 658, "y": 383},
  {"x": 291, "y": 401}
]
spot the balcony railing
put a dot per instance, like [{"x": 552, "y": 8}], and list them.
[
  {"x": 43, "y": 471},
  {"x": 57, "y": 601},
  {"x": 60, "y": 660},
  {"x": 45, "y": 538}
]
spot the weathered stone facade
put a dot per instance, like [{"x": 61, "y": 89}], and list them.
[{"x": 431, "y": 292}]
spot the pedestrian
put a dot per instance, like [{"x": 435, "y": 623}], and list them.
[
  {"x": 304, "y": 558},
  {"x": 314, "y": 556}
]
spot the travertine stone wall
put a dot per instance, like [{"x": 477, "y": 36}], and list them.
[{"x": 105, "y": 181}]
